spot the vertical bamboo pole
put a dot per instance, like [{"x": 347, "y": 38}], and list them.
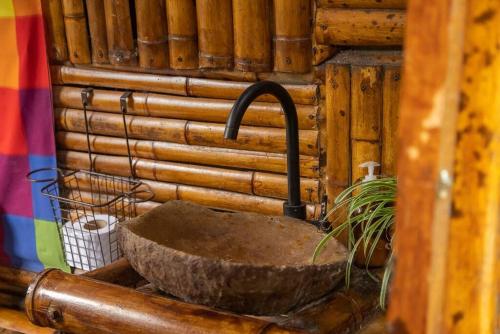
[
  {"x": 97, "y": 27},
  {"x": 429, "y": 105},
  {"x": 152, "y": 39},
  {"x": 76, "y": 31},
  {"x": 471, "y": 298},
  {"x": 390, "y": 114},
  {"x": 56, "y": 35},
  {"x": 338, "y": 110},
  {"x": 121, "y": 48},
  {"x": 252, "y": 35},
  {"x": 215, "y": 33},
  {"x": 292, "y": 37},
  {"x": 182, "y": 34}
]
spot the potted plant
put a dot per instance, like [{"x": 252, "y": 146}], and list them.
[{"x": 364, "y": 212}]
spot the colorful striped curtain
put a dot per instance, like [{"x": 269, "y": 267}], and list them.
[{"x": 28, "y": 234}]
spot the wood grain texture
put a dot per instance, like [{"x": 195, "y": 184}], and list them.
[
  {"x": 390, "y": 117},
  {"x": 152, "y": 39},
  {"x": 121, "y": 46},
  {"x": 385, "y": 4},
  {"x": 97, "y": 28},
  {"x": 252, "y": 35},
  {"x": 182, "y": 34},
  {"x": 471, "y": 297},
  {"x": 200, "y": 155},
  {"x": 16, "y": 321},
  {"x": 215, "y": 33},
  {"x": 429, "y": 105},
  {"x": 188, "y": 108},
  {"x": 76, "y": 31},
  {"x": 338, "y": 111},
  {"x": 337, "y": 26},
  {"x": 292, "y": 36},
  {"x": 367, "y": 95},
  {"x": 55, "y": 31}
]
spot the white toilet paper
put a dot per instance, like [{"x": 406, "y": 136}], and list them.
[{"x": 90, "y": 241}]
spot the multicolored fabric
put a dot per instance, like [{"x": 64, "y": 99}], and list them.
[{"x": 28, "y": 234}]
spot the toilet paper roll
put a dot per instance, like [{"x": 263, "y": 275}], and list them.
[{"x": 90, "y": 241}]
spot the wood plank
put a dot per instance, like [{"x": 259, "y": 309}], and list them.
[{"x": 429, "y": 104}]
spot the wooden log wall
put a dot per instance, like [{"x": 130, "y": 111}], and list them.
[{"x": 362, "y": 98}]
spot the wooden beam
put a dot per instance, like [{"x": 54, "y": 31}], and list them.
[
  {"x": 429, "y": 105},
  {"x": 471, "y": 291}
]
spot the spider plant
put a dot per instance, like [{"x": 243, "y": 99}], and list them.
[{"x": 369, "y": 209}]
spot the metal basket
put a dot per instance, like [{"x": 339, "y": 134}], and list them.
[{"x": 87, "y": 205}]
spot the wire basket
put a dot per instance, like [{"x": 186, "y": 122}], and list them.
[{"x": 87, "y": 206}]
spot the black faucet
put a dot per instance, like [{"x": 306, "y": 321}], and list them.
[{"x": 293, "y": 207}]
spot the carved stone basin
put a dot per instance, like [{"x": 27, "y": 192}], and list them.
[{"x": 242, "y": 262}]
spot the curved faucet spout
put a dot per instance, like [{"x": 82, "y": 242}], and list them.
[{"x": 293, "y": 207}]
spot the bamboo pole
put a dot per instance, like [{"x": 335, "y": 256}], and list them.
[
  {"x": 382, "y": 4},
  {"x": 230, "y": 90},
  {"x": 215, "y": 33},
  {"x": 17, "y": 322},
  {"x": 97, "y": 28},
  {"x": 472, "y": 269},
  {"x": 390, "y": 115},
  {"x": 217, "y": 199},
  {"x": 16, "y": 277},
  {"x": 359, "y": 26},
  {"x": 292, "y": 36},
  {"x": 121, "y": 48},
  {"x": 152, "y": 39},
  {"x": 188, "y": 108},
  {"x": 56, "y": 34},
  {"x": 201, "y": 155},
  {"x": 184, "y": 132},
  {"x": 182, "y": 34},
  {"x": 252, "y": 35},
  {"x": 76, "y": 31},
  {"x": 247, "y": 182},
  {"x": 367, "y": 102},
  {"x": 122, "y": 80},
  {"x": 127, "y": 311},
  {"x": 338, "y": 111},
  {"x": 429, "y": 106}
]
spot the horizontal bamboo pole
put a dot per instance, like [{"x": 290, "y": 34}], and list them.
[
  {"x": 11, "y": 301},
  {"x": 182, "y": 34},
  {"x": 184, "y": 132},
  {"x": 17, "y": 322},
  {"x": 292, "y": 36},
  {"x": 179, "y": 107},
  {"x": 126, "y": 311},
  {"x": 247, "y": 182},
  {"x": 217, "y": 199},
  {"x": 230, "y": 90},
  {"x": 359, "y": 26},
  {"x": 97, "y": 27},
  {"x": 152, "y": 41},
  {"x": 215, "y": 33},
  {"x": 16, "y": 277},
  {"x": 201, "y": 155},
  {"x": 55, "y": 31},
  {"x": 386, "y": 4},
  {"x": 76, "y": 31}
]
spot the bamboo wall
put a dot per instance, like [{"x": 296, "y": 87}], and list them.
[
  {"x": 187, "y": 61},
  {"x": 362, "y": 98}
]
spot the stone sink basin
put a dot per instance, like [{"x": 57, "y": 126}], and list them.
[{"x": 241, "y": 262}]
